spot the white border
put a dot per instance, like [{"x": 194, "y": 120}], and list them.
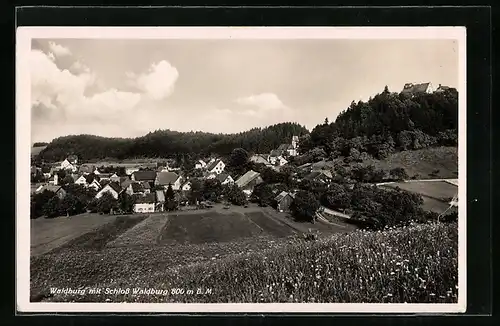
[{"x": 23, "y": 144}]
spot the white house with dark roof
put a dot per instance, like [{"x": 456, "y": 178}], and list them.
[
  {"x": 166, "y": 178},
  {"x": 67, "y": 165},
  {"x": 95, "y": 185},
  {"x": 113, "y": 188},
  {"x": 200, "y": 164},
  {"x": 217, "y": 166},
  {"x": 145, "y": 204},
  {"x": 225, "y": 178},
  {"x": 81, "y": 180}
]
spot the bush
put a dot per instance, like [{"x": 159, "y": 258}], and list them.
[{"x": 398, "y": 174}]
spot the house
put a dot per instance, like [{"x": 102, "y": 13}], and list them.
[
  {"x": 145, "y": 204},
  {"x": 248, "y": 181},
  {"x": 225, "y": 178},
  {"x": 280, "y": 161},
  {"x": 442, "y": 88},
  {"x": 412, "y": 89},
  {"x": 73, "y": 159},
  {"x": 208, "y": 176},
  {"x": 283, "y": 201},
  {"x": 200, "y": 164},
  {"x": 166, "y": 178},
  {"x": 131, "y": 170},
  {"x": 54, "y": 179},
  {"x": 186, "y": 186},
  {"x": 134, "y": 188},
  {"x": 113, "y": 188},
  {"x": 125, "y": 182},
  {"x": 144, "y": 175},
  {"x": 217, "y": 166},
  {"x": 86, "y": 169},
  {"x": 259, "y": 159},
  {"x": 57, "y": 190},
  {"x": 105, "y": 176},
  {"x": 273, "y": 156},
  {"x": 160, "y": 200},
  {"x": 321, "y": 176},
  {"x": 81, "y": 180},
  {"x": 146, "y": 186},
  {"x": 114, "y": 177},
  {"x": 67, "y": 165},
  {"x": 95, "y": 185}
]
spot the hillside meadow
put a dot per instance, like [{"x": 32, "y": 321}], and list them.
[{"x": 415, "y": 264}]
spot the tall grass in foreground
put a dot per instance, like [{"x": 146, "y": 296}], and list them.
[{"x": 415, "y": 264}]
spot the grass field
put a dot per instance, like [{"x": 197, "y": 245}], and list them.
[
  {"x": 146, "y": 232},
  {"x": 433, "y": 189},
  {"x": 413, "y": 264},
  {"x": 48, "y": 234},
  {"x": 423, "y": 162}
]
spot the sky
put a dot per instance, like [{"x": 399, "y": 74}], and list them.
[{"x": 127, "y": 88}]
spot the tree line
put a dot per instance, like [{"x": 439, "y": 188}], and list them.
[{"x": 171, "y": 144}]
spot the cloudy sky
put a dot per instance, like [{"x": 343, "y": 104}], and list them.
[{"x": 126, "y": 88}]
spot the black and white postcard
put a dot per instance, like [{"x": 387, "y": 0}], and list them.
[{"x": 243, "y": 169}]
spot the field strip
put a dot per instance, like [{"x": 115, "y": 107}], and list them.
[
  {"x": 143, "y": 233},
  {"x": 251, "y": 221},
  {"x": 283, "y": 221}
]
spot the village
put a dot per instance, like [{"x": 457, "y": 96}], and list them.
[{"x": 148, "y": 182}]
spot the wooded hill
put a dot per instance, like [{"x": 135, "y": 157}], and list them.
[
  {"x": 386, "y": 123},
  {"x": 168, "y": 143}
]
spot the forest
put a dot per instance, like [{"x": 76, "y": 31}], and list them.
[
  {"x": 171, "y": 144},
  {"x": 386, "y": 123}
]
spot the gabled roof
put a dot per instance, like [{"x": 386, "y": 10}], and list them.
[
  {"x": 316, "y": 174},
  {"x": 144, "y": 175},
  {"x": 213, "y": 164},
  {"x": 165, "y": 178},
  {"x": 136, "y": 187},
  {"x": 259, "y": 159},
  {"x": 247, "y": 178},
  {"x": 145, "y": 185},
  {"x": 125, "y": 183},
  {"x": 84, "y": 168},
  {"x": 115, "y": 186},
  {"x": 146, "y": 199},
  {"x": 50, "y": 188},
  {"x": 282, "y": 195},
  {"x": 222, "y": 177},
  {"x": 276, "y": 153},
  {"x": 284, "y": 147}
]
